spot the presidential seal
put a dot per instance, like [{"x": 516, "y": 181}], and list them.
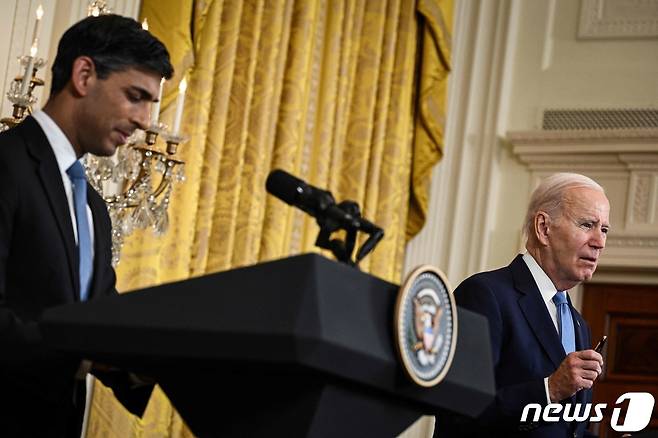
[{"x": 426, "y": 326}]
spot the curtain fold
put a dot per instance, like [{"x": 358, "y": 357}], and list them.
[
  {"x": 435, "y": 31},
  {"x": 346, "y": 95}
]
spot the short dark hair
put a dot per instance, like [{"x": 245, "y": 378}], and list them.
[{"x": 114, "y": 43}]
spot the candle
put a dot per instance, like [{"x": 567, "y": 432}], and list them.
[
  {"x": 145, "y": 24},
  {"x": 155, "y": 107},
  {"x": 27, "y": 76},
  {"x": 37, "y": 24},
  {"x": 180, "y": 102}
]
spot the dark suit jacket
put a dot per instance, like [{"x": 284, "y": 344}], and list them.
[
  {"x": 525, "y": 347},
  {"x": 39, "y": 269}
]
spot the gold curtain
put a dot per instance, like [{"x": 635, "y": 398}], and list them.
[{"x": 326, "y": 90}]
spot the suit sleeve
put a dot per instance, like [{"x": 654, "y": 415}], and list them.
[
  {"x": 18, "y": 338},
  {"x": 477, "y": 295}
]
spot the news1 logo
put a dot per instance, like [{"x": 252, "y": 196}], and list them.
[{"x": 638, "y": 414}]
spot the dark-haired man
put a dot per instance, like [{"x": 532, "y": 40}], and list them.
[{"x": 55, "y": 244}]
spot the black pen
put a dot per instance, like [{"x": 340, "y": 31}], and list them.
[{"x": 601, "y": 344}]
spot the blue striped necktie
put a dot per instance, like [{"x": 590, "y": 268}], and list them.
[
  {"x": 77, "y": 174},
  {"x": 565, "y": 322}
]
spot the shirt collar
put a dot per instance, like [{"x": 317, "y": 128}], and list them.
[
  {"x": 62, "y": 147},
  {"x": 544, "y": 283}
]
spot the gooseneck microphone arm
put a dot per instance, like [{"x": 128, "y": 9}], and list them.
[{"x": 330, "y": 216}]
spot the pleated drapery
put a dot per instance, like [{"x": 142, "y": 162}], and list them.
[{"x": 347, "y": 95}]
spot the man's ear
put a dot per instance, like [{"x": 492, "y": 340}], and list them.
[
  {"x": 542, "y": 222},
  {"x": 83, "y": 75}
]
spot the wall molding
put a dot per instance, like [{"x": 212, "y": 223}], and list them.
[
  {"x": 615, "y": 19},
  {"x": 645, "y": 135}
]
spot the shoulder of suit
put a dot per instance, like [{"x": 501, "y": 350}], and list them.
[
  {"x": 13, "y": 149},
  {"x": 14, "y": 141},
  {"x": 499, "y": 274}
]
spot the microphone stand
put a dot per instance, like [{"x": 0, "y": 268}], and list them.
[{"x": 348, "y": 219}]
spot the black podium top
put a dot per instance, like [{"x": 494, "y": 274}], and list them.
[{"x": 306, "y": 311}]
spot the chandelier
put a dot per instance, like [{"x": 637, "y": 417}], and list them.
[
  {"x": 137, "y": 181},
  {"x": 21, "y": 89},
  {"x": 136, "y": 184}
]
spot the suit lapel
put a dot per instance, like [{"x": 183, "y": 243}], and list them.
[
  {"x": 535, "y": 312},
  {"x": 582, "y": 340},
  {"x": 99, "y": 254},
  {"x": 48, "y": 171}
]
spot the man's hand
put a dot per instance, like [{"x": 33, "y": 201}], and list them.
[{"x": 577, "y": 371}]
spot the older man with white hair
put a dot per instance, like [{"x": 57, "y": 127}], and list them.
[{"x": 541, "y": 345}]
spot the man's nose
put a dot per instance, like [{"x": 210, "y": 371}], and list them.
[
  {"x": 142, "y": 115},
  {"x": 598, "y": 239}
]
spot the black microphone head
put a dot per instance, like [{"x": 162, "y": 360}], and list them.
[{"x": 285, "y": 186}]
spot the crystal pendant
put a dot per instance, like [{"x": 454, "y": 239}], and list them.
[
  {"x": 180, "y": 173},
  {"x": 105, "y": 168},
  {"x": 160, "y": 166},
  {"x": 126, "y": 225},
  {"x": 142, "y": 216},
  {"x": 161, "y": 224}
]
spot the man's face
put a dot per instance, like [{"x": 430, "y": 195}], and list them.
[
  {"x": 576, "y": 238},
  {"x": 114, "y": 108}
]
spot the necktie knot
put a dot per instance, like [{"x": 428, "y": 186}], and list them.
[
  {"x": 76, "y": 171},
  {"x": 560, "y": 298}
]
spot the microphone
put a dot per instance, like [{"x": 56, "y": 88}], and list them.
[
  {"x": 317, "y": 202},
  {"x": 330, "y": 216}
]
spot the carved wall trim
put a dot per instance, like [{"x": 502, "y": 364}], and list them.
[
  {"x": 636, "y": 241},
  {"x": 618, "y": 19},
  {"x": 641, "y": 135},
  {"x": 641, "y": 188}
]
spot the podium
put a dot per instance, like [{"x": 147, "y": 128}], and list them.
[{"x": 301, "y": 346}]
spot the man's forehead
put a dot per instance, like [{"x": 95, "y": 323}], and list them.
[
  {"x": 138, "y": 78},
  {"x": 586, "y": 202}
]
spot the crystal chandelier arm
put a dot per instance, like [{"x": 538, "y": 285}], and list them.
[
  {"x": 166, "y": 177},
  {"x": 164, "y": 183}
]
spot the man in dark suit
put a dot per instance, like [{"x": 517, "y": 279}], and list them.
[
  {"x": 540, "y": 343},
  {"x": 55, "y": 232}
]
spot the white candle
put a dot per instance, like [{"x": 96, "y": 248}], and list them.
[
  {"x": 27, "y": 75},
  {"x": 180, "y": 102},
  {"x": 37, "y": 24},
  {"x": 155, "y": 107}
]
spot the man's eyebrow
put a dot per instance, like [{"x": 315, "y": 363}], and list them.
[
  {"x": 144, "y": 94},
  {"x": 594, "y": 221}
]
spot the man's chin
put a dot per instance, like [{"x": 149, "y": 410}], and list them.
[
  {"x": 587, "y": 274},
  {"x": 106, "y": 151}
]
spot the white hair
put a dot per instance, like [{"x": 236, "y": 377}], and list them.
[{"x": 550, "y": 194}]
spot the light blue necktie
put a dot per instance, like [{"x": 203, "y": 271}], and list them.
[
  {"x": 565, "y": 322},
  {"x": 77, "y": 174}
]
